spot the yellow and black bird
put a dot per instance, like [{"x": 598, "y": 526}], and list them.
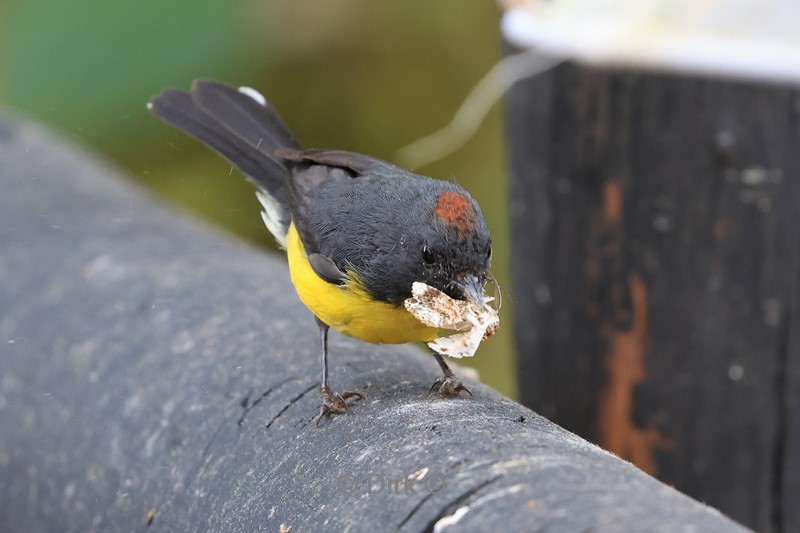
[{"x": 358, "y": 231}]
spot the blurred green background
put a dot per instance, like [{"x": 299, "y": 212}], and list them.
[{"x": 358, "y": 75}]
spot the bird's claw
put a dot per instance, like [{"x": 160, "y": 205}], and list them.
[
  {"x": 333, "y": 402},
  {"x": 448, "y": 386}
]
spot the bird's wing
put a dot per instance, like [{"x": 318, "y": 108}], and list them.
[{"x": 356, "y": 164}]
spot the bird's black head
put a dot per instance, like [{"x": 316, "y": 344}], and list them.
[
  {"x": 437, "y": 236},
  {"x": 455, "y": 251}
]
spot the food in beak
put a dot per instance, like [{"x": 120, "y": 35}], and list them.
[{"x": 434, "y": 308}]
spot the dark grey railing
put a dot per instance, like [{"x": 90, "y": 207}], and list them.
[{"x": 155, "y": 372}]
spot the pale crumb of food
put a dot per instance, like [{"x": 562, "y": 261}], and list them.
[{"x": 436, "y": 309}]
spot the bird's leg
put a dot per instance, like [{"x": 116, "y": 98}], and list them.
[
  {"x": 331, "y": 401},
  {"x": 448, "y": 384}
]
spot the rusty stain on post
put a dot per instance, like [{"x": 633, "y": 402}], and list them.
[
  {"x": 625, "y": 367},
  {"x": 612, "y": 202}
]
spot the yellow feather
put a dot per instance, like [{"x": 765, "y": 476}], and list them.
[{"x": 348, "y": 308}]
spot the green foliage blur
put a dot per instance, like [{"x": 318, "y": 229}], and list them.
[{"x": 358, "y": 75}]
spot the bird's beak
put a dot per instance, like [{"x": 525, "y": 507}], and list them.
[{"x": 471, "y": 286}]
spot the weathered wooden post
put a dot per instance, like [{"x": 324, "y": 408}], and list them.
[{"x": 656, "y": 221}]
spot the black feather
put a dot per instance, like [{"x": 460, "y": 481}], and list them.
[
  {"x": 244, "y": 132},
  {"x": 358, "y": 164},
  {"x": 260, "y": 125}
]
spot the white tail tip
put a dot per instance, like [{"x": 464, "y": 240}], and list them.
[{"x": 255, "y": 95}]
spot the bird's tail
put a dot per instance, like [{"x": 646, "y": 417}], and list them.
[{"x": 242, "y": 126}]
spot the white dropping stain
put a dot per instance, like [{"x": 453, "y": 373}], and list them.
[
  {"x": 735, "y": 372},
  {"x": 104, "y": 270},
  {"x": 725, "y": 140},
  {"x": 754, "y": 175},
  {"x": 419, "y": 474},
  {"x": 182, "y": 343},
  {"x": 450, "y": 520},
  {"x": 454, "y": 518},
  {"x": 131, "y": 404},
  {"x": 150, "y": 443}
]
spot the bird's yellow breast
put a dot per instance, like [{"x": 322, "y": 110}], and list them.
[{"x": 348, "y": 308}]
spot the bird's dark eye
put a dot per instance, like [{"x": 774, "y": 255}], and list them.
[
  {"x": 428, "y": 256},
  {"x": 489, "y": 252}
]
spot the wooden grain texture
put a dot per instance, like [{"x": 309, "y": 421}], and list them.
[
  {"x": 655, "y": 261},
  {"x": 157, "y": 376}
]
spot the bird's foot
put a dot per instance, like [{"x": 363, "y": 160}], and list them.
[
  {"x": 448, "y": 385},
  {"x": 333, "y": 402}
]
